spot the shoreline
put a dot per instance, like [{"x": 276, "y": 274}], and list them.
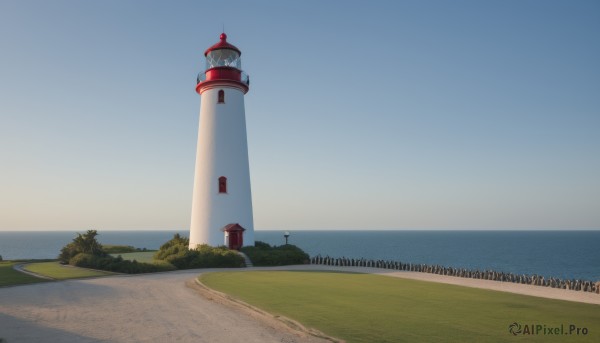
[{"x": 573, "y": 251}]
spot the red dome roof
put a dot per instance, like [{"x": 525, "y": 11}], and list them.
[{"x": 222, "y": 45}]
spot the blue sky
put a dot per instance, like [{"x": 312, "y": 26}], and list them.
[{"x": 361, "y": 115}]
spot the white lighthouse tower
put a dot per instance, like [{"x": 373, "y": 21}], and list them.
[{"x": 222, "y": 201}]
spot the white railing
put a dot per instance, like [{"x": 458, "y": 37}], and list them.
[{"x": 245, "y": 78}]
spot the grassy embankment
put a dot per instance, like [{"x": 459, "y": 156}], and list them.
[
  {"x": 9, "y": 276},
  {"x": 130, "y": 253},
  {"x": 53, "y": 269},
  {"x": 59, "y": 272},
  {"x": 145, "y": 256},
  {"x": 374, "y": 308}
]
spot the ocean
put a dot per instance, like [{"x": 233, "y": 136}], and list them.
[{"x": 564, "y": 254}]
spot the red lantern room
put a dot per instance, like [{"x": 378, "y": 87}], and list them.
[{"x": 223, "y": 67}]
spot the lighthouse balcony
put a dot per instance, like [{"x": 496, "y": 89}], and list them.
[{"x": 223, "y": 73}]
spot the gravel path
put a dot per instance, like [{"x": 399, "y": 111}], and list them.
[{"x": 162, "y": 307}]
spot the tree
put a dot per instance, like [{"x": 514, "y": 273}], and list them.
[
  {"x": 85, "y": 243},
  {"x": 88, "y": 243}
]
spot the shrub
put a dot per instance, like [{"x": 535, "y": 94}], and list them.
[
  {"x": 173, "y": 246},
  {"x": 177, "y": 253},
  {"x": 117, "y": 264},
  {"x": 83, "y": 260},
  {"x": 262, "y": 245},
  {"x": 205, "y": 257},
  {"x": 219, "y": 257},
  {"x": 85, "y": 251},
  {"x": 262, "y": 254}
]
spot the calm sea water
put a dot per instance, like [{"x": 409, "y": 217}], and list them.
[{"x": 564, "y": 254}]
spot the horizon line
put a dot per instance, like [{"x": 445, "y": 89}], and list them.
[{"x": 322, "y": 229}]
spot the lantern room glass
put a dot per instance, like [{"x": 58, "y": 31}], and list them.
[{"x": 223, "y": 58}]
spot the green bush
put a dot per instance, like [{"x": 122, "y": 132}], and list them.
[
  {"x": 262, "y": 245},
  {"x": 85, "y": 251},
  {"x": 84, "y": 260},
  {"x": 206, "y": 257},
  {"x": 262, "y": 254},
  {"x": 117, "y": 264},
  {"x": 172, "y": 247},
  {"x": 177, "y": 253}
]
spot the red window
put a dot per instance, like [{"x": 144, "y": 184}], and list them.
[
  {"x": 222, "y": 184},
  {"x": 221, "y": 99}
]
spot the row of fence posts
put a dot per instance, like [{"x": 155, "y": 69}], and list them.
[{"x": 574, "y": 284}]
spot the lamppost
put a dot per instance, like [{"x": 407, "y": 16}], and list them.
[{"x": 286, "y": 235}]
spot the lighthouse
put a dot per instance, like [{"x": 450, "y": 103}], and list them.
[{"x": 222, "y": 200}]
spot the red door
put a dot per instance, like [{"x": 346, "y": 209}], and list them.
[
  {"x": 235, "y": 236},
  {"x": 234, "y": 240},
  {"x": 240, "y": 239}
]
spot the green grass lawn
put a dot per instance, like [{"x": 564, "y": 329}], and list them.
[
  {"x": 146, "y": 257},
  {"x": 9, "y": 276},
  {"x": 57, "y": 271},
  {"x": 374, "y": 308},
  {"x": 142, "y": 256}
]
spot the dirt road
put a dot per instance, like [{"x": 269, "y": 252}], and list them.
[{"x": 161, "y": 307}]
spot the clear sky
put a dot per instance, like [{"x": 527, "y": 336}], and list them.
[{"x": 361, "y": 114}]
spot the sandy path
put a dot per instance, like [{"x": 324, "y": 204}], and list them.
[
  {"x": 166, "y": 307},
  {"x": 147, "y": 308}
]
